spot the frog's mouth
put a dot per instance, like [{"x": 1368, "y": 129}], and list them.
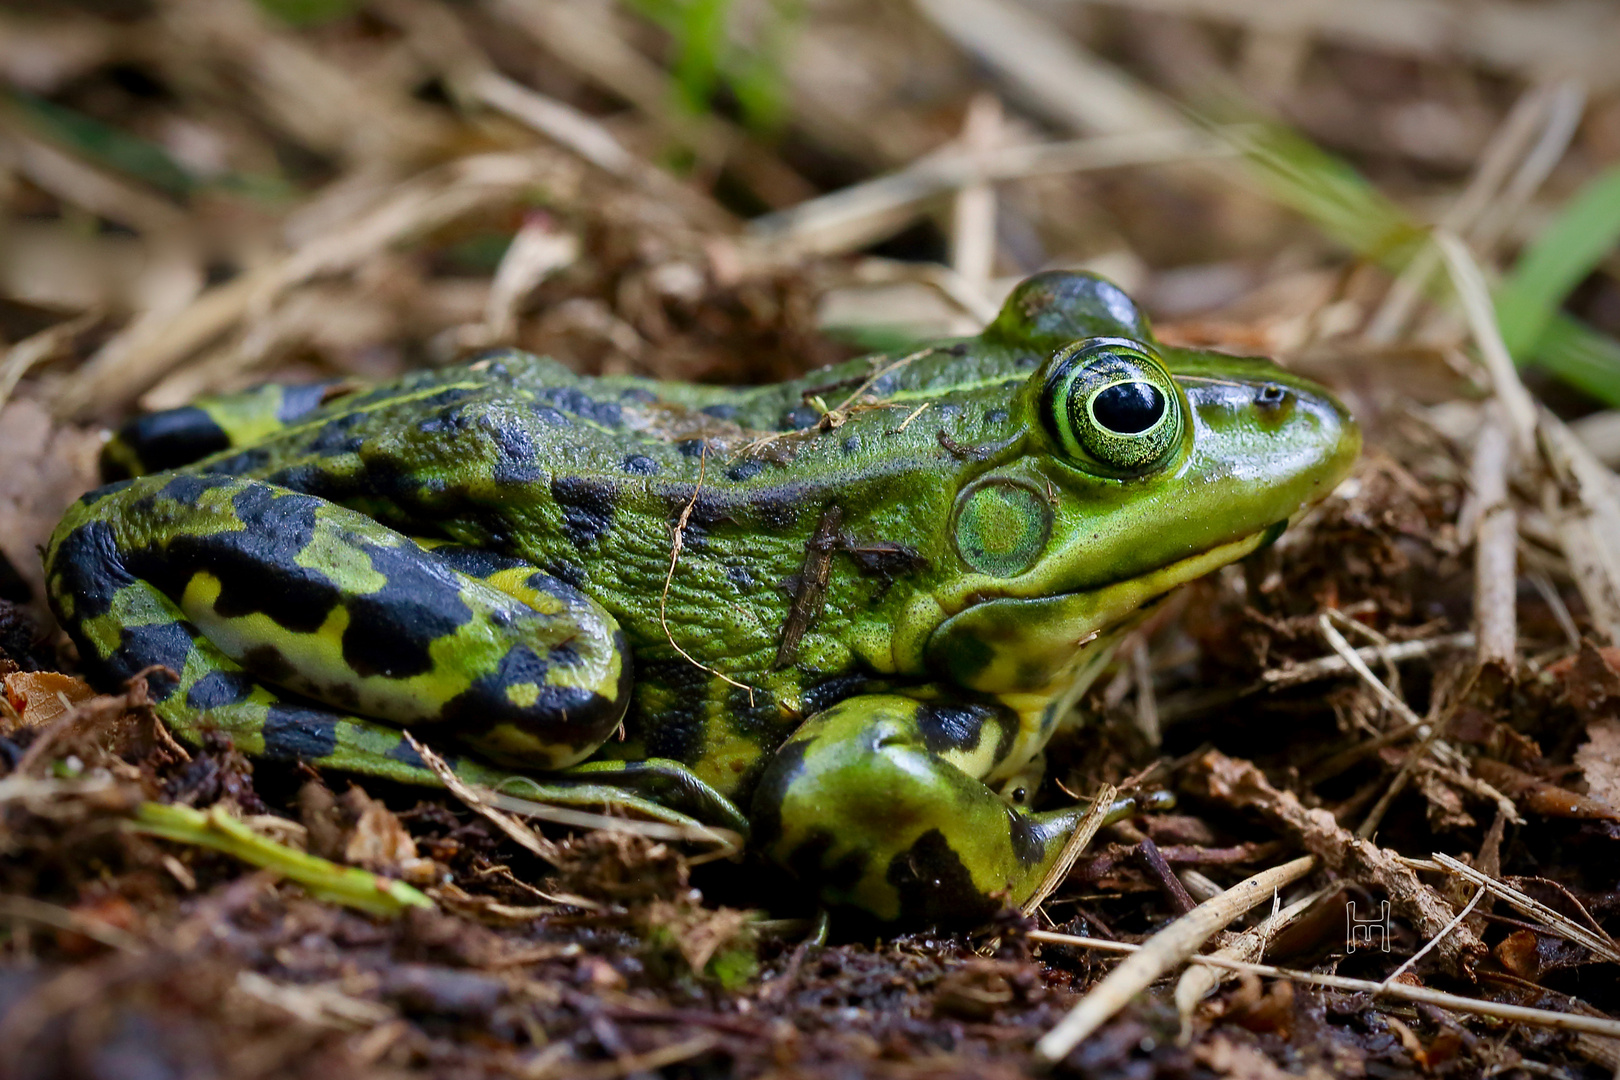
[{"x": 1009, "y": 644}]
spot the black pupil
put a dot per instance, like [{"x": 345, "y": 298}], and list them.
[{"x": 1128, "y": 408}]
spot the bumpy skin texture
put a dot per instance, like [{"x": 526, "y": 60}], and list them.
[{"x": 876, "y": 619}]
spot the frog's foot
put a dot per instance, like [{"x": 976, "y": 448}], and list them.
[
  {"x": 657, "y": 788},
  {"x": 879, "y": 801},
  {"x": 242, "y": 588}
]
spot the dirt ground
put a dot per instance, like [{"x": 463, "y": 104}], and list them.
[{"x": 1414, "y": 201}]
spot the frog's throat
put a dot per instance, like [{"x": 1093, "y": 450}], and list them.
[
  {"x": 1048, "y": 652},
  {"x": 1033, "y": 647}
]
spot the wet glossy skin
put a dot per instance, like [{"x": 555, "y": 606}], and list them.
[{"x": 895, "y": 577}]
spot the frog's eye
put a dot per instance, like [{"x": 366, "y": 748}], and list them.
[{"x": 1110, "y": 402}]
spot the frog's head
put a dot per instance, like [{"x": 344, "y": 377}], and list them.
[{"x": 1139, "y": 467}]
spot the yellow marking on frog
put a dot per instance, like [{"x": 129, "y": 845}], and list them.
[
  {"x": 978, "y": 761},
  {"x": 513, "y": 581},
  {"x": 523, "y": 695},
  {"x": 340, "y": 560}
]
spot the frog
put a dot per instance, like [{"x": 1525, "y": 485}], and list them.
[{"x": 842, "y": 614}]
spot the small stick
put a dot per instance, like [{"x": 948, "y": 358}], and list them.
[
  {"x": 1153, "y": 860},
  {"x": 1432, "y": 942},
  {"x": 1162, "y": 952},
  {"x": 1336, "y": 641},
  {"x": 1326, "y": 667},
  {"x": 1592, "y": 1025},
  {"x": 1197, "y": 981},
  {"x": 1496, "y": 548}
]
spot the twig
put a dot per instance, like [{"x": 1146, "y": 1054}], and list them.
[
  {"x": 1592, "y": 1025},
  {"x": 1599, "y": 943},
  {"x": 1196, "y": 982},
  {"x": 1353, "y": 660},
  {"x": 1588, "y": 530},
  {"x": 1048, "y": 69},
  {"x": 1161, "y": 953},
  {"x": 1538, "y": 111},
  {"x": 1429, "y": 945},
  {"x": 1326, "y": 667}
]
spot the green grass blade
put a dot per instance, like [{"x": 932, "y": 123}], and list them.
[
  {"x": 105, "y": 145},
  {"x": 1579, "y": 355},
  {"x": 324, "y": 880},
  {"x": 1582, "y": 234},
  {"x": 1340, "y": 201}
]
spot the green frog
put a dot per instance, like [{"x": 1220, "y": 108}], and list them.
[{"x": 842, "y": 614}]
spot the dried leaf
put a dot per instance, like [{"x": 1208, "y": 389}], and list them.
[{"x": 41, "y": 696}]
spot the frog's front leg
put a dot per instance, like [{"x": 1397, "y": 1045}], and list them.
[
  {"x": 245, "y": 589},
  {"x": 880, "y": 801}
]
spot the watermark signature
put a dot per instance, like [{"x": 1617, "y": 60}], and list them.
[{"x": 1363, "y": 933}]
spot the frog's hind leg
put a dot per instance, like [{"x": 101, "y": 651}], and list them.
[
  {"x": 880, "y": 801},
  {"x": 171, "y": 438},
  {"x": 245, "y": 590}
]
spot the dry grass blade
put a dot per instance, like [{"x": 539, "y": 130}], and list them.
[
  {"x": 1561, "y": 35},
  {"x": 1496, "y": 547},
  {"x": 520, "y": 833},
  {"x": 1533, "y": 136},
  {"x": 1354, "y": 662},
  {"x": 1163, "y": 952},
  {"x": 321, "y": 1006},
  {"x": 60, "y": 918},
  {"x": 38, "y": 348},
  {"x": 1599, "y": 943},
  {"x": 1476, "y": 301},
  {"x": 1053, "y": 74},
  {"x": 537, "y": 251},
  {"x": 1589, "y": 528},
  {"x": 1428, "y": 946},
  {"x": 973, "y": 216},
  {"x": 1196, "y": 982},
  {"x": 152, "y": 346},
  {"x": 1592, "y": 1025},
  {"x": 80, "y": 184},
  {"x": 852, "y": 217},
  {"x": 1084, "y": 831}
]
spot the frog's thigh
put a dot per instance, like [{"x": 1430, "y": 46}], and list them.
[
  {"x": 321, "y": 600},
  {"x": 878, "y": 799}
]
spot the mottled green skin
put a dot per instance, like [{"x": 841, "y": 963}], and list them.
[{"x": 483, "y": 554}]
